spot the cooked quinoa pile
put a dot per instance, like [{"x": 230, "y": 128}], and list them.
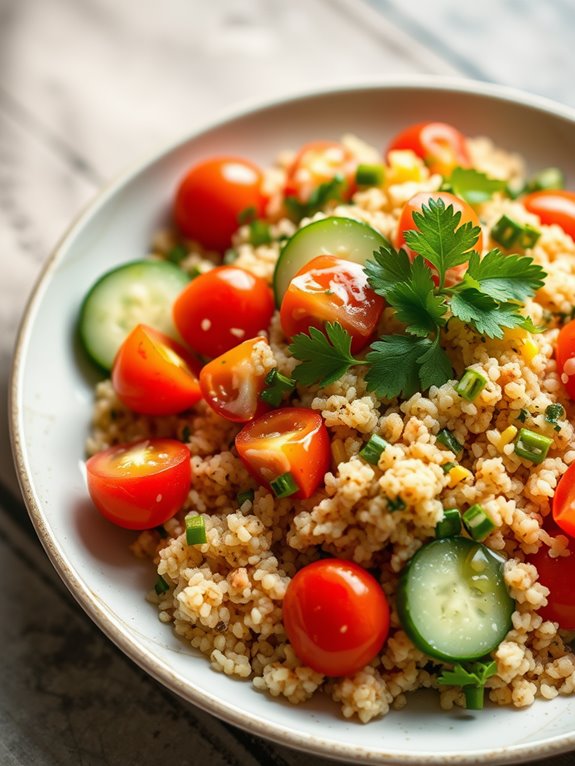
[{"x": 225, "y": 596}]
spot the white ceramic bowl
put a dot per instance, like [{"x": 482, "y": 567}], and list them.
[{"x": 51, "y": 397}]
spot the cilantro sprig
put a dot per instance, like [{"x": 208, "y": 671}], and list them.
[
  {"x": 471, "y": 676},
  {"x": 329, "y": 190},
  {"x": 426, "y": 291}
]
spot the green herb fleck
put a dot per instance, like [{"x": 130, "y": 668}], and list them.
[{"x": 472, "y": 676}]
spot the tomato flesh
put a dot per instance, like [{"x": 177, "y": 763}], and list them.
[
  {"x": 287, "y": 440},
  {"x": 330, "y": 289},
  {"x": 565, "y": 357},
  {"x": 140, "y": 485},
  {"x": 212, "y": 195},
  {"x": 441, "y": 146},
  {"x": 557, "y": 574},
  {"x": 564, "y": 502},
  {"x": 336, "y": 616},
  {"x": 317, "y": 163},
  {"x": 221, "y": 308},
  {"x": 154, "y": 375},
  {"x": 553, "y": 206},
  {"x": 232, "y": 383}
]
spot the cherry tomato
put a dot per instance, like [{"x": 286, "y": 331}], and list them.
[
  {"x": 557, "y": 574},
  {"x": 415, "y": 204},
  {"x": 232, "y": 383},
  {"x": 330, "y": 289},
  {"x": 287, "y": 440},
  {"x": 211, "y": 196},
  {"x": 221, "y": 308},
  {"x": 553, "y": 206},
  {"x": 154, "y": 375},
  {"x": 140, "y": 485},
  {"x": 439, "y": 145},
  {"x": 565, "y": 357},
  {"x": 564, "y": 502},
  {"x": 317, "y": 163},
  {"x": 336, "y": 616}
]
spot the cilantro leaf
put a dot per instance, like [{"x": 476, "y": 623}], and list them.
[
  {"x": 475, "y": 674},
  {"x": 474, "y": 187},
  {"x": 389, "y": 267},
  {"x": 416, "y": 303},
  {"x": 484, "y": 314},
  {"x": 435, "y": 366},
  {"x": 439, "y": 238},
  {"x": 320, "y": 196},
  {"x": 324, "y": 357},
  {"x": 504, "y": 277}
]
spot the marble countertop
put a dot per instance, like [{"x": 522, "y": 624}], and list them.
[{"x": 86, "y": 88}]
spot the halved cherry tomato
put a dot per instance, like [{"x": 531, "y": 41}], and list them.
[
  {"x": 553, "y": 206},
  {"x": 564, "y": 502},
  {"x": 565, "y": 357},
  {"x": 140, "y": 485},
  {"x": 317, "y": 163},
  {"x": 154, "y": 375},
  {"x": 406, "y": 223},
  {"x": 221, "y": 308},
  {"x": 232, "y": 383},
  {"x": 288, "y": 440},
  {"x": 557, "y": 574},
  {"x": 330, "y": 289},
  {"x": 336, "y": 616},
  {"x": 211, "y": 196},
  {"x": 441, "y": 146}
]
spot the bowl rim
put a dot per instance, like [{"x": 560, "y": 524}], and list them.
[{"x": 115, "y": 630}]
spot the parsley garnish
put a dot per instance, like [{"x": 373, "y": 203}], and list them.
[
  {"x": 329, "y": 190},
  {"x": 323, "y": 359},
  {"x": 553, "y": 414},
  {"x": 472, "y": 677},
  {"x": 473, "y": 186}
]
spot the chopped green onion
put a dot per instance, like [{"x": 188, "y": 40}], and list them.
[
  {"x": 553, "y": 414},
  {"x": 230, "y": 256},
  {"x": 369, "y": 175},
  {"x": 195, "y": 530},
  {"x": 450, "y": 524},
  {"x": 284, "y": 486},
  {"x": 477, "y": 523},
  {"x": 522, "y": 415},
  {"x": 260, "y": 233},
  {"x": 247, "y": 215},
  {"x": 446, "y": 467},
  {"x": 529, "y": 236},
  {"x": 161, "y": 586},
  {"x": 509, "y": 232},
  {"x": 277, "y": 386},
  {"x": 471, "y": 384},
  {"x": 373, "y": 449},
  {"x": 532, "y": 446},
  {"x": 395, "y": 505},
  {"x": 447, "y": 439},
  {"x": 177, "y": 254},
  {"x": 549, "y": 178},
  {"x": 244, "y": 496}
]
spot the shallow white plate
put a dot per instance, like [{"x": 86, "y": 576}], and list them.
[{"x": 51, "y": 397}]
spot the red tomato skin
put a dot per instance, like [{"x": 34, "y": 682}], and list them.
[
  {"x": 557, "y": 574},
  {"x": 331, "y": 289},
  {"x": 336, "y": 616},
  {"x": 211, "y": 196},
  {"x": 305, "y": 163},
  {"x": 288, "y": 439},
  {"x": 565, "y": 351},
  {"x": 553, "y": 206},
  {"x": 133, "y": 498},
  {"x": 441, "y": 146},
  {"x": 219, "y": 384},
  {"x": 406, "y": 223},
  {"x": 564, "y": 502},
  {"x": 149, "y": 380},
  {"x": 221, "y": 308}
]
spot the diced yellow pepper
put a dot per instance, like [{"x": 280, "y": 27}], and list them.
[
  {"x": 404, "y": 166},
  {"x": 506, "y": 437},
  {"x": 527, "y": 346},
  {"x": 457, "y": 474},
  {"x": 529, "y": 350}
]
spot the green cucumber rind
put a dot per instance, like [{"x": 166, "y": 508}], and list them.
[{"x": 413, "y": 632}]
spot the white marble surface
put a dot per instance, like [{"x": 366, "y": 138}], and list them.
[{"x": 86, "y": 88}]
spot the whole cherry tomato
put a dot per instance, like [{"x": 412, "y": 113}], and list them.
[
  {"x": 330, "y": 289},
  {"x": 317, "y": 163},
  {"x": 289, "y": 440},
  {"x": 140, "y": 485},
  {"x": 557, "y": 574},
  {"x": 154, "y": 375},
  {"x": 336, "y": 616},
  {"x": 439, "y": 145},
  {"x": 565, "y": 357},
  {"x": 211, "y": 196},
  {"x": 553, "y": 206},
  {"x": 221, "y": 308},
  {"x": 564, "y": 502},
  {"x": 406, "y": 223},
  {"x": 232, "y": 383}
]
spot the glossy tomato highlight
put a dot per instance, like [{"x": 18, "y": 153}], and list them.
[
  {"x": 441, "y": 146},
  {"x": 336, "y": 616},
  {"x": 140, "y": 485}
]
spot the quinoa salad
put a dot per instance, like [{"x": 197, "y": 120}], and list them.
[{"x": 336, "y": 410}]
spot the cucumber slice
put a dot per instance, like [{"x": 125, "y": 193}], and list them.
[
  {"x": 452, "y": 600},
  {"x": 137, "y": 292},
  {"x": 343, "y": 237}
]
